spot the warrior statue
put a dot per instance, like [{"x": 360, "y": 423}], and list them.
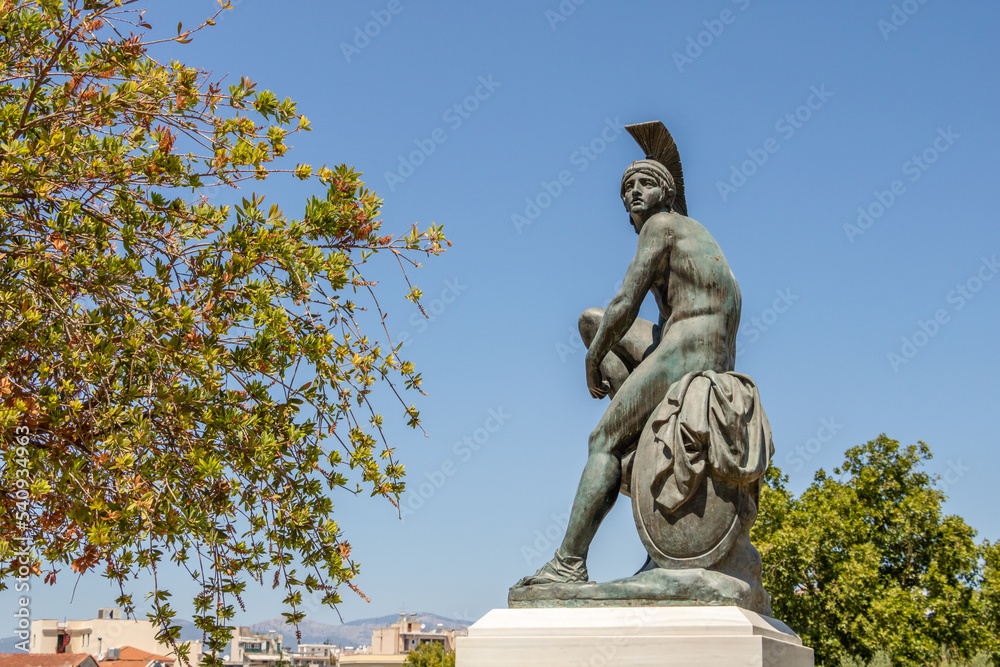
[{"x": 683, "y": 435}]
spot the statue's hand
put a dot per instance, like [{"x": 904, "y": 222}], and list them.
[{"x": 596, "y": 383}]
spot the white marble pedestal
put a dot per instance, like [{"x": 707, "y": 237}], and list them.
[{"x": 632, "y": 637}]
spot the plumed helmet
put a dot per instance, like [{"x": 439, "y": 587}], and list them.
[{"x": 663, "y": 161}]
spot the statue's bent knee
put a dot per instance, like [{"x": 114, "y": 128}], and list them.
[
  {"x": 590, "y": 320},
  {"x": 599, "y": 442}
]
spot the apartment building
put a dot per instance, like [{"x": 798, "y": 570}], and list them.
[
  {"x": 96, "y": 636},
  {"x": 408, "y": 633}
]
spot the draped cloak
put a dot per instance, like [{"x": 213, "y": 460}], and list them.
[{"x": 713, "y": 423}]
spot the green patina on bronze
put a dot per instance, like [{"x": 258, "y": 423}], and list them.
[{"x": 684, "y": 436}]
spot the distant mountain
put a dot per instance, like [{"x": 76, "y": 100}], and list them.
[
  {"x": 352, "y": 633},
  {"x": 9, "y": 645},
  {"x": 189, "y": 631}
]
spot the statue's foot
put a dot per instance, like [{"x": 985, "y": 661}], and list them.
[{"x": 560, "y": 570}]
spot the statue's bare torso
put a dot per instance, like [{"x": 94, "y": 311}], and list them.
[
  {"x": 696, "y": 292},
  {"x": 679, "y": 262}
]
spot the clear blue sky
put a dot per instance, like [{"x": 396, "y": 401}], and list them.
[{"x": 910, "y": 106}]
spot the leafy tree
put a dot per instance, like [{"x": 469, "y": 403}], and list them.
[
  {"x": 990, "y": 595},
  {"x": 180, "y": 381},
  {"x": 883, "y": 659},
  {"x": 866, "y": 561},
  {"x": 431, "y": 654}
]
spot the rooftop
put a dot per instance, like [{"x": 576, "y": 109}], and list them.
[
  {"x": 46, "y": 660},
  {"x": 133, "y": 657}
]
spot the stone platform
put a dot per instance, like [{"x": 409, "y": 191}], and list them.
[{"x": 631, "y": 636}]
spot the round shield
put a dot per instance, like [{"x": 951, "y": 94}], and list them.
[{"x": 700, "y": 532}]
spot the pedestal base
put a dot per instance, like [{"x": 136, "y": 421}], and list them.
[
  {"x": 633, "y": 636},
  {"x": 656, "y": 588}
]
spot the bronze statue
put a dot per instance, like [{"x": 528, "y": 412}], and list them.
[{"x": 683, "y": 435}]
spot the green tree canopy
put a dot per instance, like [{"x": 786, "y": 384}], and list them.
[
  {"x": 182, "y": 381},
  {"x": 431, "y": 654},
  {"x": 867, "y": 561}
]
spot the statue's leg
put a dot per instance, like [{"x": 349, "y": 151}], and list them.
[
  {"x": 623, "y": 421},
  {"x": 692, "y": 345},
  {"x": 619, "y": 427},
  {"x": 602, "y": 474}
]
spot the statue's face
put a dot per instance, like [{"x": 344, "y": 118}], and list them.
[{"x": 643, "y": 196}]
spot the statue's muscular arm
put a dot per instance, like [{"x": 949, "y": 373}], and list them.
[{"x": 650, "y": 261}]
